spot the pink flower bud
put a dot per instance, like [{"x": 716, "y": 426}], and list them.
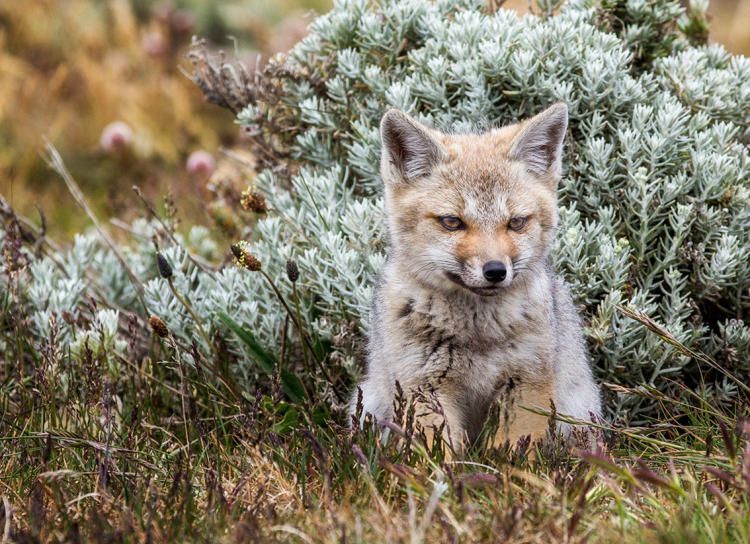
[
  {"x": 201, "y": 163},
  {"x": 116, "y": 136},
  {"x": 154, "y": 44},
  {"x": 163, "y": 11},
  {"x": 182, "y": 21}
]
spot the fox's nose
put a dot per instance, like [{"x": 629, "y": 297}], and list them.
[{"x": 494, "y": 271}]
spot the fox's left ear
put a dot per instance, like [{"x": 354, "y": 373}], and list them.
[
  {"x": 410, "y": 150},
  {"x": 539, "y": 142}
]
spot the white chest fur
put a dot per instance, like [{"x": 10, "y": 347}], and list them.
[{"x": 467, "y": 338}]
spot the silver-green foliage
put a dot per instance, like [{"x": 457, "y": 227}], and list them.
[{"x": 655, "y": 202}]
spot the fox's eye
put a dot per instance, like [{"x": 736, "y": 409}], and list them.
[
  {"x": 450, "y": 222},
  {"x": 517, "y": 223}
]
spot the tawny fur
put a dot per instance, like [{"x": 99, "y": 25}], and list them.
[{"x": 442, "y": 331}]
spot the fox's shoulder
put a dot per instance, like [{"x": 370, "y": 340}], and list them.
[{"x": 562, "y": 296}]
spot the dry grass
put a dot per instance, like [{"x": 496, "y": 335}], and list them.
[
  {"x": 126, "y": 461},
  {"x": 143, "y": 447},
  {"x": 71, "y": 68}
]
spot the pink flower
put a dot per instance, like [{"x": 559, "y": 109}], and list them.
[
  {"x": 154, "y": 44},
  {"x": 115, "y": 136},
  {"x": 163, "y": 11},
  {"x": 201, "y": 163},
  {"x": 182, "y": 21}
]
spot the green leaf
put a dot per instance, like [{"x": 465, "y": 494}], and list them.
[
  {"x": 321, "y": 416},
  {"x": 321, "y": 348},
  {"x": 290, "y": 419},
  {"x": 292, "y": 386},
  {"x": 265, "y": 360},
  {"x": 290, "y": 383},
  {"x": 284, "y": 414}
]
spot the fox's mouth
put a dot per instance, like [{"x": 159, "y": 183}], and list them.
[{"x": 481, "y": 291}]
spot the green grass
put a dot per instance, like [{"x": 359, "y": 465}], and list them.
[
  {"x": 148, "y": 448},
  {"x": 159, "y": 443}
]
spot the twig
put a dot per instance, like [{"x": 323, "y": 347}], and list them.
[
  {"x": 54, "y": 160},
  {"x": 8, "y": 517},
  {"x": 149, "y": 207},
  {"x": 670, "y": 339},
  {"x": 32, "y": 233}
]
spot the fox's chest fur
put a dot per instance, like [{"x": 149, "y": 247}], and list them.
[
  {"x": 468, "y": 338},
  {"x": 471, "y": 350}
]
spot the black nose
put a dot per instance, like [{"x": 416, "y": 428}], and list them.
[{"x": 494, "y": 271}]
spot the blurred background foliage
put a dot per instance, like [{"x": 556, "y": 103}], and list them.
[{"x": 69, "y": 68}]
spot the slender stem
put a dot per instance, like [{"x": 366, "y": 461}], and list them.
[
  {"x": 192, "y": 313},
  {"x": 312, "y": 198},
  {"x": 299, "y": 320},
  {"x": 305, "y": 339},
  {"x": 183, "y": 388},
  {"x": 282, "y": 355},
  {"x": 54, "y": 160},
  {"x": 200, "y": 263}
]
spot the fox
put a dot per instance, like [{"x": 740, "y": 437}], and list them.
[{"x": 468, "y": 313}]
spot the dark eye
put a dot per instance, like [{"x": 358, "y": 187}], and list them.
[
  {"x": 450, "y": 222},
  {"x": 517, "y": 223}
]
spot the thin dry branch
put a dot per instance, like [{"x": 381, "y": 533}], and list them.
[
  {"x": 30, "y": 232},
  {"x": 54, "y": 160},
  {"x": 227, "y": 84},
  {"x": 670, "y": 339},
  {"x": 196, "y": 259}
]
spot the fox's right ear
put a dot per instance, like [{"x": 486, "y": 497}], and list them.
[
  {"x": 539, "y": 143},
  {"x": 410, "y": 150}
]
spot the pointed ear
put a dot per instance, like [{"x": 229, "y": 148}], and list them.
[
  {"x": 410, "y": 150},
  {"x": 538, "y": 144}
]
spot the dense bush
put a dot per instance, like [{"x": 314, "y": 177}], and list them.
[{"x": 655, "y": 201}]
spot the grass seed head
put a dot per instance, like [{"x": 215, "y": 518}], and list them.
[
  {"x": 165, "y": 269},
  {"x": 253, "y": 201},
  {"x": 292, "y": 270},
  {"x": 244, "y": 258},
  {"x": 158, "y": 326}
]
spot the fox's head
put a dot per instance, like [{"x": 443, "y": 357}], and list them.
[{"x": 472, "y": 212}]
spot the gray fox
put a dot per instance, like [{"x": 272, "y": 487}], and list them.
[{"x": 468, "y": 311}]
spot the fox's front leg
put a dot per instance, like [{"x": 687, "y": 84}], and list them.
[
  {"x": 437, "y": 417},
  {"x": 516, "y": 420}
]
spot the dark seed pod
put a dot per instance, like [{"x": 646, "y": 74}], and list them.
[
  {"x": 244, "y": 258},
  {"x": 253, "y": 201},
  {"x": 251, "y": 262},
  {"x": 292, "y": 270},
  {"x": 158, "y": 326},
  {"x": 165, "y": 269}
]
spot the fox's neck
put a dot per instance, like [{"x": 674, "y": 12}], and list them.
[{"x": 464, "y": 313}]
